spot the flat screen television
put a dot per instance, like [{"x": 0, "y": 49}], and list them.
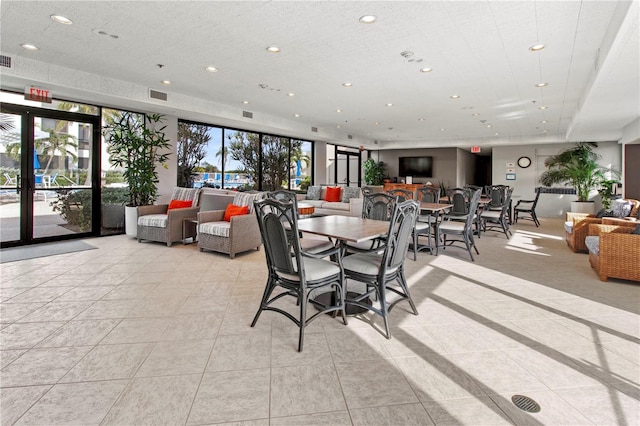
[{"x": 415, "y": 166}]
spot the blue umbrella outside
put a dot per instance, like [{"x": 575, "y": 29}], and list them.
[{"x": 36, "y": 162}]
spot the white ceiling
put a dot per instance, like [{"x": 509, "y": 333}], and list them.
[{"x": 478, "y": 50}]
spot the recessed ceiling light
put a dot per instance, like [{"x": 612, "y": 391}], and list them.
[
  {"x": 420, "y": 119},
  {"x": 296, "y": 115},
  {"x": 291, "y": 94},
  {"x": 475, "y": 114},
  {"x": 536, "y": 47},
  {"x": 29, "y": 46},
  {"x": 544, "y": 121},
  {"x": 442, "y": 129},
  {"x": 389, "y": 104},
  {"x": 167, "y": 82},
  {"x": 338, "y": 126},
  {"x": 497, "y": 134},
  {"x": 62, "y": 19},
  {"x": 455, "y": 96},
  {"x": 426, "y": 69},
  {"x": 377, "y": 123},
  {"x": 347, "y": 84},
  {"x": 245, "y": 102},
  {"x": 273, "y": 49},
  {"x": 367, "y": 19},
  {"x": 489, "y": 125},
  {"x": 543, "y": 107},
  {"x": 211, "y": 68},
  {"x": 338, "y": 110},
  {"x": 542, "y": 84},
  {"x": 545, "y": 131}
]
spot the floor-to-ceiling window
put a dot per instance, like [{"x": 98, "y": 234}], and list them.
[{"x": 210, "y": 156}]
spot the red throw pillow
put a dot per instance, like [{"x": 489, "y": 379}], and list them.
[
  {"x": 233, "y": 210},
  {"x": 333, "y": 194},
  {"x": 180, "y": 204}
]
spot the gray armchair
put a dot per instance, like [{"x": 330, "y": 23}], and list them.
[
  {"x": 159, "y": 223},
  {"x": 240, "y": 234}
]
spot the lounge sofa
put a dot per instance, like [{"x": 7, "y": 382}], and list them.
[
  {"x": 614, "y": 249},
  {"x": 349, "y": 201}
]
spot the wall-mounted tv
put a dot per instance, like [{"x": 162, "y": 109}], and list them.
[{"x": 415, "y": 166}]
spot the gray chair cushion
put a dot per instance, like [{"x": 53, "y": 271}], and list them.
[
  {"x": 363, "y": 263},
  {"x": 568, "y": 226},
  {"x": 593, "y": 244},
  {"x": 314, "y": 269},
  {"x": 153, "y": 220}
]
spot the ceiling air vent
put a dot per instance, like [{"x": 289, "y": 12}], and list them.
[
  {"x": 5, "y": 61},
  {"x": 154, "y": 94},
  {"x": 350, "y": 136},
  {"x": 314, "y": 129},
  {"x": 247, "y": 114}
]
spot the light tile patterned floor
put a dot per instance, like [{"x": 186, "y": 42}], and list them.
[{"x": 144, "y": 334}]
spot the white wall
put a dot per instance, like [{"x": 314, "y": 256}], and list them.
[{"x": 549, "y": 205}]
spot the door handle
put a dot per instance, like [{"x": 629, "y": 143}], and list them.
[{"x": 18, "y": 184}]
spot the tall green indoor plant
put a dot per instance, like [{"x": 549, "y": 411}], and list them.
[
  {"x": 374, "y": 172},
  {"x": 137, "y": 143},
  {"x": 577, "y": 166}
]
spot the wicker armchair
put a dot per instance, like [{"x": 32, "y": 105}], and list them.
[
  {"x": 240, "y": 234},
  {"x": 159, "y": 223},
  {"x": 618, "y": 251},
  {"x": 576, "y": 229}
]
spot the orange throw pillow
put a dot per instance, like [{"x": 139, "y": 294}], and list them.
[
  {"x": 179, "y": 204},
  {"x": 333, "y": 194},
  {"x": 233, "y": 210}
]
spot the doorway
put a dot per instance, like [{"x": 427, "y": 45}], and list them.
[
  {"x": 50, "y": 186},
  {"x": 348, "y": 167}
]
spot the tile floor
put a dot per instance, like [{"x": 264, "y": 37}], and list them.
[{"x": 135, "y": 333}]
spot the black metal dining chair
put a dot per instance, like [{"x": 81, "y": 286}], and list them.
[
  {"x": 462, "y": 231},
  {"x": 377, "y": 206},
  {"x": 301, "y": 275},
  {"x": 379, "y": 271},
  {"x": 308, "y": 244},
  {"x": 528, "y": 209},
  {"x": 492, "y": 219}
]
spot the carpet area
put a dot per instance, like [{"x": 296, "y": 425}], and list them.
[{"x": 40, "y": 250}]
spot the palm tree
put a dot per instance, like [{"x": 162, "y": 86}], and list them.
[{"x": 57, "y": 142}]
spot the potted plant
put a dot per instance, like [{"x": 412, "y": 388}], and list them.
[
  {"x": 578, "y": 167},
  {"x": 374, "y": 172},
  {"x": 137, "y": 143}
]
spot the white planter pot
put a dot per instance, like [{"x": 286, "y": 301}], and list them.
[
  {"x": 131, "y": 221},
  {"x": 583, "y": 207}
]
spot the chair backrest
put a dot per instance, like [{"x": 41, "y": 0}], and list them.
[
  {"x": 403, "y": 220},
  {"x": 366, "y": 190},
  {"x": 497, "y": 193},
  {"x": 428, "y": 194},
  {"x": 402, "y": 194},
  {"x": 187, "y": 194},
  {"x": 507, "y": 200},
  {"x": 378, "y": 206},
  {"x": 247, "y": 199},
  {"x": 284, "y": 196},
  {"x": 279, "y": 231},
  {"x": 460, "y": 198},
  {"x": 473, "y": 207},
  {"x": 473, "y": 188},
  {"x": 535, "y": 200}
]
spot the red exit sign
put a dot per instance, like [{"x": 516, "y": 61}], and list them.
[
  {"x": 37, "y": 94},
  {"x": 475, "y": 149}
]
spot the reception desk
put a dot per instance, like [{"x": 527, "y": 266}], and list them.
[{"x": 407, "y": 186}]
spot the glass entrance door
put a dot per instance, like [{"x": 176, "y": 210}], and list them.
[
  {"x": 348, "y": 168},
  {"x": 48, "y": 183}
]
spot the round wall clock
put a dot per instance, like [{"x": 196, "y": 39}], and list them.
[{"x": 524, "y": 162}]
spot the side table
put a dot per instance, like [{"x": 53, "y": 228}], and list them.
[{"x": 189, "y": 229}]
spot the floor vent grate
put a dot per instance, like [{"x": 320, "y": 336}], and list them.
[{"x": 525, "y": 403}]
